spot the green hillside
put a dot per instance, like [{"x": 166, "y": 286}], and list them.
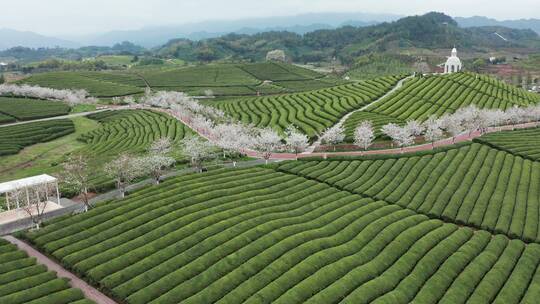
[
  {"x": 525, "y": 143},
  {"x": 466, "y": 186},
  {"x": 437, "y": 95},
  {"x": 311, "y": 111},
  {"x": 29, "y": 109},
  {"x": 221, "y": 79},
  {"x": 429, "y": 31},
  {"x": 256, "y": 235}
]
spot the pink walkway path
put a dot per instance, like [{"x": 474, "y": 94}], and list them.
[
  {"x": 89, "y": 291},
  {"x": 416, "y": 148}
]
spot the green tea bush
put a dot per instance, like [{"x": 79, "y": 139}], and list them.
[
  {"x": 312, "y": 112},
  {"x": 24, "y": 281},
  {"x": 474, "y": 185},
  {"x": 244, "y": 235},
  {"x": 15, "y": 138},
  {"x": 28, "y": 109},
  {"x": 422, "y": 97},
  {"x": 524, "y": 143}
]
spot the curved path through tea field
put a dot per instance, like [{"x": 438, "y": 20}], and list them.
[{"x": 398, "y": 85}]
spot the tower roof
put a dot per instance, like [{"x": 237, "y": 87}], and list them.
[{"x": 454, "y": 59}]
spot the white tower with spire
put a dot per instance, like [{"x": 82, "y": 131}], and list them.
[{"x": 453, "y": 64}]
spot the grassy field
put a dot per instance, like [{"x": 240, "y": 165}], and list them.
[
  {"x": 29, "y": 109},
  {"x": 81, "y": 108},
  {"x": 525, "y": 143},
  {"x": 44, "y": 157},
  {"x": 22, "y": 280},
  {"x": 257, "y": 235},
  {"x": 14, "y": 138},
  {"x": 311, "y": 111}
]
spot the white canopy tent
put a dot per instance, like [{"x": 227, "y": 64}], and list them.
[{"x": 24, "y": 184}]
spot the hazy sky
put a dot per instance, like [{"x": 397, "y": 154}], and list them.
[{"x": 58, "y": 17}]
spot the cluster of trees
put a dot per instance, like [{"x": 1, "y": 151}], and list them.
[
  {"x": 464, "y": 120},
  {"x": 68, "y": 65},
  {"x": 72, "y": 97},
  {"x": 26, "y": 54},
  {"x": 232, "y": 137},
  {"x": 124, "y": 169},
  {"x": 126, "y": 100}
]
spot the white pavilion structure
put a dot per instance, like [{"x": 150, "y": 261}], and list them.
[
  {"x": 453, "y": 64},
  {"x": 18, "y": 192}
]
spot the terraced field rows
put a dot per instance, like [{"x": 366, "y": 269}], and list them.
[
  {"x": 75, "y": 80},
  {"x": 312, "y": 112},
  {"x": 437, "y": 95},
  {"x": 130, "y": 79},
  {"x": 22, "y": 281},
  {"x": 222, "y": 79},
  {"x": 131, "y": 130},
  {"x": 279, "y": 72},
  {"x": 255, "y": 235},
  {"x": 28, "y": 109},
  {"x": 15, "y": 138},
  {"x": 200, "y": 76},
  {"x": 525, "y": 143},
  {"x": 474, "y": 185},
  {"x": 237, "y": 79},
  {"x": 6, "y": 118}
]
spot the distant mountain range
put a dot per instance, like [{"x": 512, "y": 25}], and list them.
[
  {"x": 151, "y": 37},
  {"x": 300, "y": 24},
  {"x": 522, "y": 24},
  {"x": 430, "y": 31},
  {"x": 11, "y": 38}
]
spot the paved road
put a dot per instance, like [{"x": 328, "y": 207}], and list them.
[
  {"x": 52, "y": 118},
  {"x": 89, "y": 291},
  {"x": 107, "y": 108}
]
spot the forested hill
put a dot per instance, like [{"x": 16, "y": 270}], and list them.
[{"x": 431, "y": 31}]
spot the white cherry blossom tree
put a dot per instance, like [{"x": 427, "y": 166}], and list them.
[
  {"x": 198, "y": 150},
  {"x": 364, "y": 135},
  {"x": 267, "y": 142},
  {"x": 333, "y": 135},
  {"x": 296, "y": 140},
  {"x": 124, "y": 170},
  {"x": 433, "y": 130}
]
